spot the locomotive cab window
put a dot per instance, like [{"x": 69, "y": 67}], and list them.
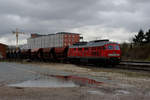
[
  {"x": 117, "y": 47},
  {"x": 110, "y": 47}
]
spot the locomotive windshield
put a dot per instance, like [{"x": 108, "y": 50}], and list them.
[
  {"x": 110, "y": 47},
  {"x": 113, "y": 47},
  {"x": 117, "y": 47}
]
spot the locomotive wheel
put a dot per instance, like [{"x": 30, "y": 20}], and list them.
[{"x": 41, "y": 55}]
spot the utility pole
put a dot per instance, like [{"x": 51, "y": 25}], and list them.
[{"x": 17, "y": 35}]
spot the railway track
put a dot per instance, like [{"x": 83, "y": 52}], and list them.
[
  {"x": 134, "y": 65},
  {"x": 129, "y": 65}
]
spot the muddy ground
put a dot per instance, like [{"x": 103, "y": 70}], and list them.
[{"x": 117, "y": 84}]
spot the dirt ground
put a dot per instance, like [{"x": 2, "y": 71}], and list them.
[
  {"x": 80, "y": 93},
  {"x": 117, "y": 85}
]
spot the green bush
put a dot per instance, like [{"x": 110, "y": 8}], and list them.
[{"x": 135, "y": 52}]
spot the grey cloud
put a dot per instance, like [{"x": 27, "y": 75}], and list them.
[{"x": 48, "y": 16}]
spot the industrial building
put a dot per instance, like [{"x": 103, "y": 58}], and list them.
[
  {"x": 3, "y": 49},
  {"x": 61, "y": 39}
]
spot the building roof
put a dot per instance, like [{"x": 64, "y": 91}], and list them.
[
  {"x": 67, "y": 33},
  {"x": 3, "y": 44}
]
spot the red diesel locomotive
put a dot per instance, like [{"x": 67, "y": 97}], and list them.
[
  {"x": 99, "y": 51},
  {"x": 96, "y": 52}
]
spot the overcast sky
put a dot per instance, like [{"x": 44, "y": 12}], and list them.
[{"x": 117, "y": 20}]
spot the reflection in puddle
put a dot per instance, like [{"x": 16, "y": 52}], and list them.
[{"x": 58, "y": 81}]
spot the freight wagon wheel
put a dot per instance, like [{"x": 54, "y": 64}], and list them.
[
  {"x": 50, "y": 56},
  {"x": 28, "y": 55},
  {"x": 40, "y": 55},
  {"x": 53, "y": 55},
  {"x": 19, "y": 55},
  {"x": 8, "y": 55},
  {"x": 66, "y": 51}
]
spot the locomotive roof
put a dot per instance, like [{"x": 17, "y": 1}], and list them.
[
  {"x": 92, "y": 43},
  {"x": 67, "y": 33}
]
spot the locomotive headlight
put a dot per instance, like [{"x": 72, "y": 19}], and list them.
[{"x": 113, "y": 54}]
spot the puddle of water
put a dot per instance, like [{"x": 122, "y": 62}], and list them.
[
  {"x": 58, "y": 81},
  {"x": 119, "y": 92},
  {"x": 96, "y": 92},
  {"x": 51, "y": 82}
]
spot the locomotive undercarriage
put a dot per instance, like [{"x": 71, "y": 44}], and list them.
[{"x": 97, "y": 61}]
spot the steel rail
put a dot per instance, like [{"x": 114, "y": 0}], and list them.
[{"x": 134, "y": 65}]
